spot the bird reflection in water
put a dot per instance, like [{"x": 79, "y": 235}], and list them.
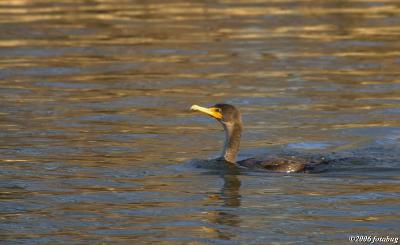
[{"x": 226, "y": 215}]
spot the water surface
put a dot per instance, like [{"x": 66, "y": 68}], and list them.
[{"x": 97, "y": 143}]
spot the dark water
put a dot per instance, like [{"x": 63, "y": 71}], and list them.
[{"x": 97, "y": 143}]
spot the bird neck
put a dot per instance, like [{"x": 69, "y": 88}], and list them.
[{"x": 233, "y": 133}]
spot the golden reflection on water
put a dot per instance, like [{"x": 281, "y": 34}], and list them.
[{"x": 96, "y": 128}]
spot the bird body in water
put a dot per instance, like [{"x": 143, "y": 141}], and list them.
[{"x": 231, "y": 120}]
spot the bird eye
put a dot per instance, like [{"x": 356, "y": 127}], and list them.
[{"x": 218, "y": 110}]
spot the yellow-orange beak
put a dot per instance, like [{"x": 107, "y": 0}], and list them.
[{"x": 212, "y": 111}]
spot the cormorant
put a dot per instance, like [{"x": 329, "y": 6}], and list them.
[{"x": 231, "y": 121}]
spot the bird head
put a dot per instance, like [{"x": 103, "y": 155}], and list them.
[{"x": 224, "y": 113}]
